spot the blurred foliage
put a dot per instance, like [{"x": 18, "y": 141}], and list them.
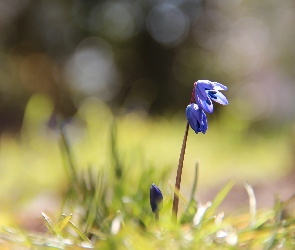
[
  {"x": 79, "y": 81},
  {"x": 34, "y": 161},
  {"x": 106, "y": 218},
  {"x": 145, "y": 55}
]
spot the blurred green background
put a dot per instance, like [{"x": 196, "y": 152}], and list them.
[{"x": 90, "y": 62}]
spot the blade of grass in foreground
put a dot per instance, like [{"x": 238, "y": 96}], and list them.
[
  {"x": 94, "y": 206},
  {"x": 252, "y": 204},
  {"x": 69, "y": 162},
  {"x": 218, "y": 199},
  {"x": 62, "y": 223},
  {"x": 194, "y": 186},
  {"x": 79, "y": 232},
  {"x": 114, "y": 150},
  {"x": 177, "y": 192},
  {"x": 288, "y": 202},
  {"x": 277, "y": 217},
  {"x": 185, "y": 216},
  {"x": 48, "y": 223}
]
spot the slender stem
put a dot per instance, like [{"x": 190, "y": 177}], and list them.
[
  {"x": 156, "y": 216},
  {"x": 73, "y": 178},
  {"x": 178, "y": 175}
]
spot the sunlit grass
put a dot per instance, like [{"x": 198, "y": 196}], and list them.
[
  {"x": 225, "y": 151},
  {"x": 144, "y": 150}
]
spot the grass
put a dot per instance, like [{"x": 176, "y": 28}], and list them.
[{"x": 102, "y": 169}]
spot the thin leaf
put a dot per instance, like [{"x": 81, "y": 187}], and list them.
[
  {"x": 288, "y": 202},
  {"x": 94, "y": 206},
  {"x": 185, "y": 217},
  {"x": 69, "y": 162},
  {"x": 194, "y": 189},
  {"x": 114, "y": 151},
  {"x": 48, "y": 223},
  {"x": 252, "y": 204},
  {"x": 198, "y": 218},
  {"x": 278, "y": 209},
  {"x": 277, "y": 216},
  {"x": 79, "y": 232},
  {"x": 176, "y": 191},
  {"x": 218, "y": 199},
  {"x": 63, "y": 223}
]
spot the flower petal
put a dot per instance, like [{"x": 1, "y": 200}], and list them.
[
  {"x": 206, "y": 105},
  {"x": 219, "y": 86},
  {"x": 201, "y": 86},
  {"x": 205, "y": 124},
  {"x": 191, "y": 117},
  {"x": 220, "y": 98},
  {"x": 200, "y": 92},
  {"x": 196, "y": 118}
]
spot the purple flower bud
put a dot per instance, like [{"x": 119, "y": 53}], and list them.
[
  {"x": 205, "y": 91},
  {"x": 196, "y": 118},
  {"x": 156, "y": 198}
]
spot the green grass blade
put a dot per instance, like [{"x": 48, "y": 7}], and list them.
[
  {"x": 194, "y": 189},
  {"x": 79, "y": 232},
  {"x": 185, "y": 215},
  {"x": 218, "y": 199},
  {"x": 178, "y": 193},
  {"x": 288, "y": 202},
  {"x": 48, "y": 223},
  {"x": 252, "y": 204},
  {"x": 277, "y": 217},
  {"x": 63, "y": 223},
  {"x": 94, "y": 206},
  {"x": 68, "y": 159},
  {"x": 278, "y": 209},
  {"x": 114, "y": 151}
]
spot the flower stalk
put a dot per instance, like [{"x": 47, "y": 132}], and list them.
[
  {"x": 178, "y": 175},
  {"x": 204, "y": 92}
]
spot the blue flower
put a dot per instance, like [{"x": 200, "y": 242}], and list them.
[
  {"x": 205, "y": 91},
  {"x": 156, "y": 198},
  {"x": 196, "y": 118}
]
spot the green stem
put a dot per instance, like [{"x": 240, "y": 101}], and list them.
[
  {"x": 178, "y": 175},
  {"x": 156, "y": 216},
  {"x": 73, "y": 178}
]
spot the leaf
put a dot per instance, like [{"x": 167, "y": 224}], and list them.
[
  {"x": 288, "y": 202},
  {"x": 191, "y": 204},
  {"x": 48, "y": 223},
  {"x": 272, "y": 241},
  {"x": 94, "y": 206},
  {"x": 278, "y": 209},
  {"x": 198, "y": 218},
  {"x": 218, "y": 199},
  {"x": 79, "y": 232},
  {"x": 69, "y": 161},
  {"x": 177, "y": 192},
  {"x": 62, "y": 224},
  {"x": 252, "y": 204}
]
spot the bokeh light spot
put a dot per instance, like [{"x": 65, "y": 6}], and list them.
[
  {"x": 119, "y": 21},
  {"x": 167, "y": 24},
  {"x": 91, "y": 69}
]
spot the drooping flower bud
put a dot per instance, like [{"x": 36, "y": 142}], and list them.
[
  {"x": 156, "y": 198},
  {"x": 196, "y": 118}
]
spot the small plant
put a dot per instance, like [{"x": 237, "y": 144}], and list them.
[
  {"x": 156, "y": 200},
  {"x": 204, "y": 92},
  {"x": 107, "y": 207}
]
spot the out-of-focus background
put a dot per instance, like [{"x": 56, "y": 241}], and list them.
[{"x": 88, "y": 62}]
